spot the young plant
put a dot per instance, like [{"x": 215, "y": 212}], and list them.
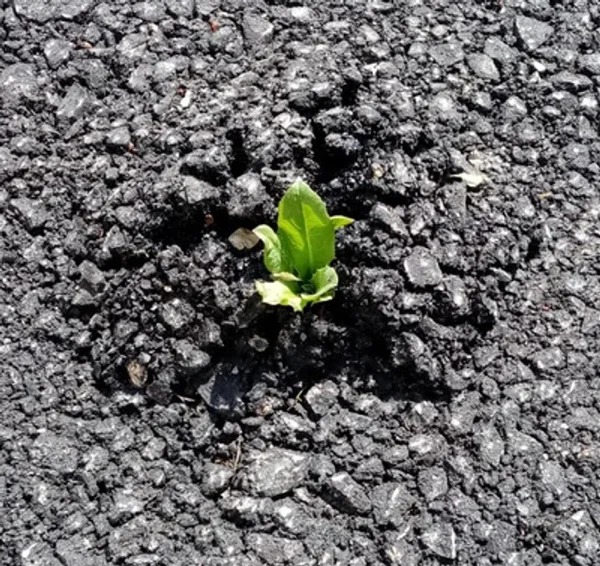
[{"x": 299, "y": 254}]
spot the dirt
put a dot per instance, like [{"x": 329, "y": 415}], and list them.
[{"x": 444, "y": 408}]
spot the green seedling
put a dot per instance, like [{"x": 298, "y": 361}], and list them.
[{"x": 299, "y": 253}]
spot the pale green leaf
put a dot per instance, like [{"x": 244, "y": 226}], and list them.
[
  {"x": 305, "y": 230},
  {"x": 286, "y": 277},
  {"x": 322, "y": 298},
  {"x": 274, "y": 257},
  {"x": 278, "y": 293},
  {"x": 325, "y": 282},
  {"x": 325, "y": 279},
  {"x": 341, "y": 221}
]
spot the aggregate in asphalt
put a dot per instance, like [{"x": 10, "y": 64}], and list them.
[{"x": 443, "y": 409}]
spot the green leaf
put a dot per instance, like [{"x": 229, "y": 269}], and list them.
[
  {"x": 305, "y": 230},
  {"x": 278, "y": 293},
  {"x": 325, "y": 282},
  {"x": 274, "y": 257},
  {"x": 298, "y": 255},
  {"x": 341, "y": 221},
  {"x": 325, "y": 279}
]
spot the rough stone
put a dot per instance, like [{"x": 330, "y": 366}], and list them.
[
  {"x": 42, "y": 11},
  {"x": 399, "y": 552},
  {"x": 447, "y": 54},
  {"x": 92, "y": 278},
  {"x": 118, "y": 138},
  {"x": 483, "y": 66},
  {"x": 499, "y": 51},
  {"x": 249, "y": 199},
  {"x": 195, "y": 192},
  {"x": 190, "y": 359},
  {"x": 549, "y": 359},
  {"x": 126, "y": 504},
  {"x": 392, "y": 503},
  {"x": 571, "y": 81},
  {"x": 223, "y": 391},
  {"x": 389, "y": 217},
  {"x": 347, "y": 495},
  {"x": 532, "y": 33},
  {"x": 425, "y": 445},
  {"x": 321, "y": 397},
  {"x": 114, "y": 242},
  {"x": 207, "y": 7},
  {"x": 183, "y": 8},
  {"x": 133, "y": 46},
  {"x": 154, "y": 450},
  {"x": 422, "y": 268},
  {"x": 39, "y": 554},
  {"x": 78, "y": 550},
  {"x": 590, "y": 63},
  {"x": 83, "y": 298},
  {"x": 32, "y": 213},
  {"x": 215, "y": 479},
  {"x": 56, "y": 452},
  {"x": 491, "y": 445},
  {"x": 209, "y": 165},
  {"x": 149, "y": 11},
  {"x": 276, "y": 472},
  {"x": 56, "y": 52},
  {"x": 553, "y": 478},
  {"x": 515, "y": 108},
  {"x": 257, "y": 29},
  {"x": 276, "y": 550},
  {"x": 74, "y": 104},
  {"x": 433, "y": 483},
  {"x": 19, "y": 80},
  {"x": 127, "y": 539},
  {"x": 443, "y": 104},
  {"x": 177, "y": 314},
  {"x": 441, "y": 540}
]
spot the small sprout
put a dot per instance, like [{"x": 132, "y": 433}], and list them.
[{"x": 299, "y": 253}]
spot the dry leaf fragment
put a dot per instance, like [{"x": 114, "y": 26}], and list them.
[
  {"x": 377, "y": 170},
  {"x": 138, "y": 374},
  {"x": 473, "y": 179},
  {"x": 243, "y": 239}
]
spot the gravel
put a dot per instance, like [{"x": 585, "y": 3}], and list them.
[{"x": 443, "y": 408}]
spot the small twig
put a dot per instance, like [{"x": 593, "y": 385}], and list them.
[{"x": 238, "y": 455}]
